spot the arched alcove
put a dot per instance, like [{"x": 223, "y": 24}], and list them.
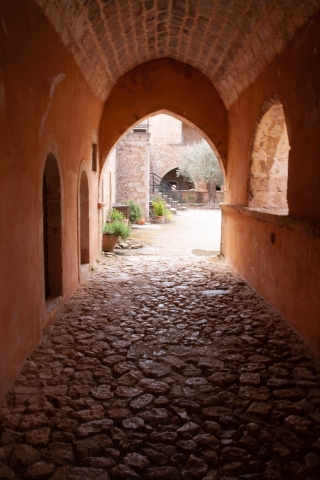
[
  {"x": 84, "y": 219},
  {"x": 179, "y": 182},
  {"x": 52, "y": 229},
  {"x": 269, "y": 163}
]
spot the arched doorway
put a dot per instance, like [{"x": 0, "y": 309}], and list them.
[
  {"x": 84, "y": 219},
  {"x": 269, "y": 167},
  {"x": 52, "y": 230},
  {"x": 179, "y": 182}
]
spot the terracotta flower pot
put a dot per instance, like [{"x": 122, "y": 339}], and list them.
[
  {"x": 109, "y": 242},
  {"x": 160, "y": 219},
  {"x": 142, "y": 221}
]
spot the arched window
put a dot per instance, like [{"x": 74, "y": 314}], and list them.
[
  {"x": 84, "y": 219},
  {"x": 269, "y": 165},
  {"x": 52, "y": 230}
]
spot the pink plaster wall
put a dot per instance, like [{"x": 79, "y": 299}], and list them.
[
  {"x": 45, "y": 106},
  {"x": 286, "y": 273}
]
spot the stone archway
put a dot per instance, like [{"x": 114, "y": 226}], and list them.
[
  {"x": 168, "y": 86},
  {"x": 52, "y": 228},
  {"x": 179, "y": 182},
  {"x": 84, "y": 230},
  {"x": 269, "y": 166}
]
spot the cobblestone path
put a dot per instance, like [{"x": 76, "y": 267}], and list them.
[{"x": 164, "y": 369}]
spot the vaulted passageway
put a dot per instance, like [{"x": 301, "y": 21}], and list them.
[
  {"x": 164, "y": 368},
  {"x": 74, "y": 75}
]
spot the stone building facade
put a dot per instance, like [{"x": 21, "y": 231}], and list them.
[
  {"x": 167, "y": 144},
  {"x": 159, "y": 150},
  {"x": 133, "y": 168}
]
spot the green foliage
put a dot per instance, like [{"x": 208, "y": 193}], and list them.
[
  {"x": 200, "y": 164},
  {"x": 115, "y": 215},
  {"x": 117, "y": 228},
  {"x": 158, "y": 207},
  {"x": 135, "y": 212},
  {"x": 168, "y": 214}
]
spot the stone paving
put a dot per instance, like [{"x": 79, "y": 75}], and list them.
[{"x": 164, "y": 369}]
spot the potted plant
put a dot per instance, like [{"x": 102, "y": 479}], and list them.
[
  {"x": 116, "y": 216},
  {"x": 111, "y": 232},
  {"x": 135, "y": 212},
  {"x": 159, "y": 209}
]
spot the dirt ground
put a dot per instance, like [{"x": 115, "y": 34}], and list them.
[{"x": 195, "y": 231}]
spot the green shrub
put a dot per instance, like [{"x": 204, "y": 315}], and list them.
[
  {"x": 115, "y": 215},
  {"x": 158, "y": 207},
  {"x": 168, "y": 214},
  {"x": 135, "y": 212},
  {"x": 117, "y": 228}
]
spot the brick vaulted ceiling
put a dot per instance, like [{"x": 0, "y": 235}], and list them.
[{"x": 230, "y": 41}]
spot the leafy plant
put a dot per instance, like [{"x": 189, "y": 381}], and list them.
[
  {"x": 115, "y": 215},
  {"x": 135, "y": 211},
  {"x": 168, "y": 214},
  {"x": 200, "y": 164},
  {"x": 117, "y": 228},
  {"x": 158, "y": 207}
]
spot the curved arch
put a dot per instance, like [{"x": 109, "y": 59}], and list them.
[
  {"x": 83, "y": 214},
  {"x": 164, "y": 85},
  {"x": 268, "y": 177},
  {"x": 180, "y": 183}
]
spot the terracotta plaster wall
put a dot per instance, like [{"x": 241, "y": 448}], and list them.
[
  {"x": 160, "y": 86},
  {"x": 45, "y": 106},
  {"x": 286, "y": 273}
]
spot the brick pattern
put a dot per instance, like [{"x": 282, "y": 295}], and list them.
[{"x": 231, "y": 41}]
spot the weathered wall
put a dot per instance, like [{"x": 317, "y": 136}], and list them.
[
  {"x": 190, "y": 135},
  {"x": 107, "y": 187},
  {"x": 166, "y": 147},
  {"x": 45, "y": 107},
  {"x": 168, "y": 143},
  {"x": 286, "y": 273},
  {"x": 132, "y": 170},
  {"x": 269, "y": 166},
  {"x": 198, "y": 196}
]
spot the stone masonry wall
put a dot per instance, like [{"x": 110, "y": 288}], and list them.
[
  {"x": 166, "y": 143},
  {"x": 133, "y": 168}
]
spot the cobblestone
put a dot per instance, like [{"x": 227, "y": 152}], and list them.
[{"x": 141, "y": 378}]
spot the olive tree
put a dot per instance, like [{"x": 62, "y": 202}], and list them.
[{"x": 200, "y": 164}]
